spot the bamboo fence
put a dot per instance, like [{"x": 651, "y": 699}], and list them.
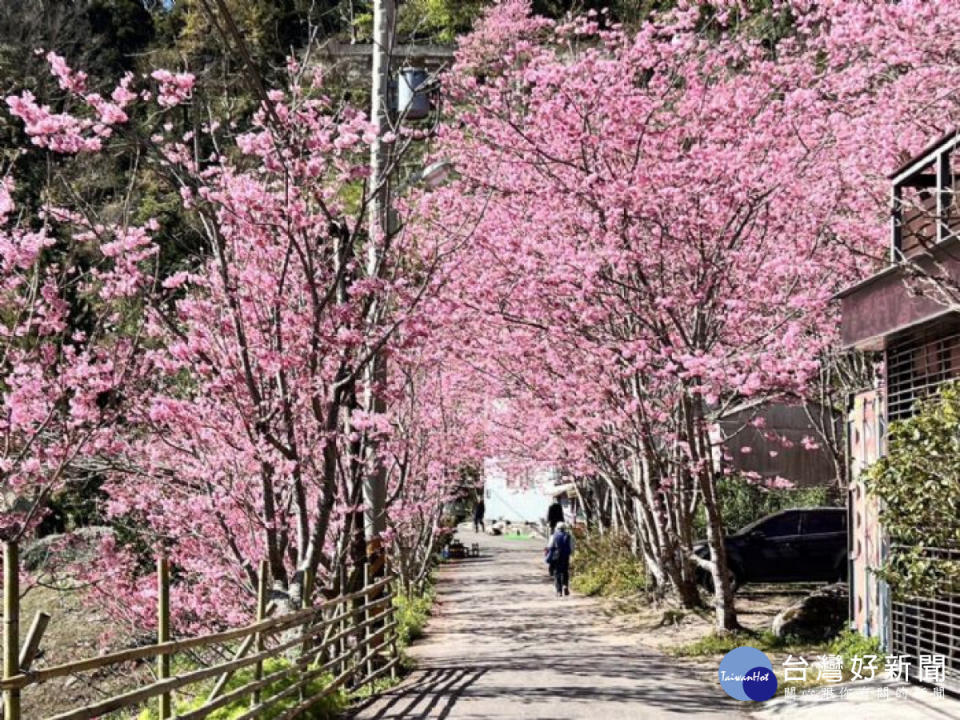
[{"x": 352, "y": 637}]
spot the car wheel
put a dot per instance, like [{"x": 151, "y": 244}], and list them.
[
  {"x": 840, "y": 572},
  {"x": 706, "y": 580},
  {"x": 736, "y": 579}
]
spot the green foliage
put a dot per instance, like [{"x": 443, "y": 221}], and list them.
[
  {"x": 124, "y": 28},
  {"x": 720, "y": 644},
  {"x": 379, "y": 685},
  {"x": 742, "y": 502},
  {"x": 327, "y": 709},
  {"x": 412, "y": 613},
  {"x": 918, "y": 484},
  {"x": 850, "y": 644},
  {"x": 605, "y": 565},
  {"x": 438, "y": 20},
  {"x": 271, "y": 29}
]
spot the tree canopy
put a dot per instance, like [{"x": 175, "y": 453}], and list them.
[{"x": 645, "y": 224}]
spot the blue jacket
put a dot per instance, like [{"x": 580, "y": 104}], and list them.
[{"x": 562, "y": 542}]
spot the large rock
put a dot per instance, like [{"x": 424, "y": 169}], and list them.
[
  {"x": 819, "y": 616},
  {"x": 80, "y": 545}
]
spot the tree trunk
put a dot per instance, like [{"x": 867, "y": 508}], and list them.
[
  {"x": 726, "y": 614},
  {"x": 699, "y": 443}
]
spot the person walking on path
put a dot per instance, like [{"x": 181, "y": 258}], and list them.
[
  {"x": 554, "y": 514},
  {"x": 560, "y": 550},
  {"x": 478, "y": 512}
]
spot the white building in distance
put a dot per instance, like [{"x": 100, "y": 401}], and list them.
[{"x": 519, "y": 496}]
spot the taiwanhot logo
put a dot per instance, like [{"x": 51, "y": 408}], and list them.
[{"x": 747, "y": 674}]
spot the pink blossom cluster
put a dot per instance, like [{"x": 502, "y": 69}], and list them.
[
  {"x": 59, "y": 383},
  {"x": 174, "y": 88},
  {"x": 75, "y": 132}
]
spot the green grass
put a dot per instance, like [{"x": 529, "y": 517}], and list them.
[
  {"x": 605, "y": 565},
  {"x": 412, "y": 613},
  {"x": 721, "y": 644},
  {"x": 850, "y": 644},
  {"x": 329, "y": 708}
]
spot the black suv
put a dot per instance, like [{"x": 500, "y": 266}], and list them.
[{"x": 806, "y": 544}]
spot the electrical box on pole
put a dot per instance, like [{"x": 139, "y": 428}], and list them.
[{"x": 412, "y": 102}]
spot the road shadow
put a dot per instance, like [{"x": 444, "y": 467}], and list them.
[
  {"x": 428, "y": 694},
  {"x": 502, "y": 646}
]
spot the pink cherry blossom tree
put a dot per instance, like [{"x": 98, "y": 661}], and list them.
[
  {"x": 246, "y": 432},
  {"x": 645, "y": 229},
  {"x": 647, "y": 250},
  {"x": 68, "y": 343},
  {"x": 436, "y": 451}
]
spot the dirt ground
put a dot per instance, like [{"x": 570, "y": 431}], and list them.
[
  {"x": 666, "y": 630},
  {"x": 74, "y": 633}
]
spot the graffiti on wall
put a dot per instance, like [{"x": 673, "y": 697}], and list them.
[{"x": 865, "y": 436}]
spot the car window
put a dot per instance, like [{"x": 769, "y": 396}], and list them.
[
  {"x": 785, "y": 524},
  {"x": 824, "y": 522}
]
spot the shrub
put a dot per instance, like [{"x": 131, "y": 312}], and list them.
[
  {"x": 918, "y": 483},
  {"x": 328, "y": 708},
  {"x": 412, "y": 614},
  {"x": 850, "y": 644},
  {"x": 742, "y": 502},
  {"x": 606, "y": 565}
]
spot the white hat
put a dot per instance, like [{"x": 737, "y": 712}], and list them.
[{"x": 561, "y": 526}]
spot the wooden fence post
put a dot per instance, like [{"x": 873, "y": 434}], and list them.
[
  {"x": 262, "y": 590},
  {"x": 307, "y": 588},
  {"x": 306, "y": 593},
  {"x": 367, "y": 630},
  {"x": 31, "y": 644},
  {"x": 394, "y": 647},
  {"x": 343, "y": 606},
  {"x": 163, "y": 629},
  {"x": 11, "y": 627}
]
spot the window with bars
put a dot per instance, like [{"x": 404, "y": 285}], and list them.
[{"x": 916, "y": 366}]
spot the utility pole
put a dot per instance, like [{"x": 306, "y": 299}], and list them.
[{"x": 375, "y": 480}]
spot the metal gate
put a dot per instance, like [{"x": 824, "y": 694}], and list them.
[{"x": 920, "y": 627}]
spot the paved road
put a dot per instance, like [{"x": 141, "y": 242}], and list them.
[{"x": 501, "y": 646}]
